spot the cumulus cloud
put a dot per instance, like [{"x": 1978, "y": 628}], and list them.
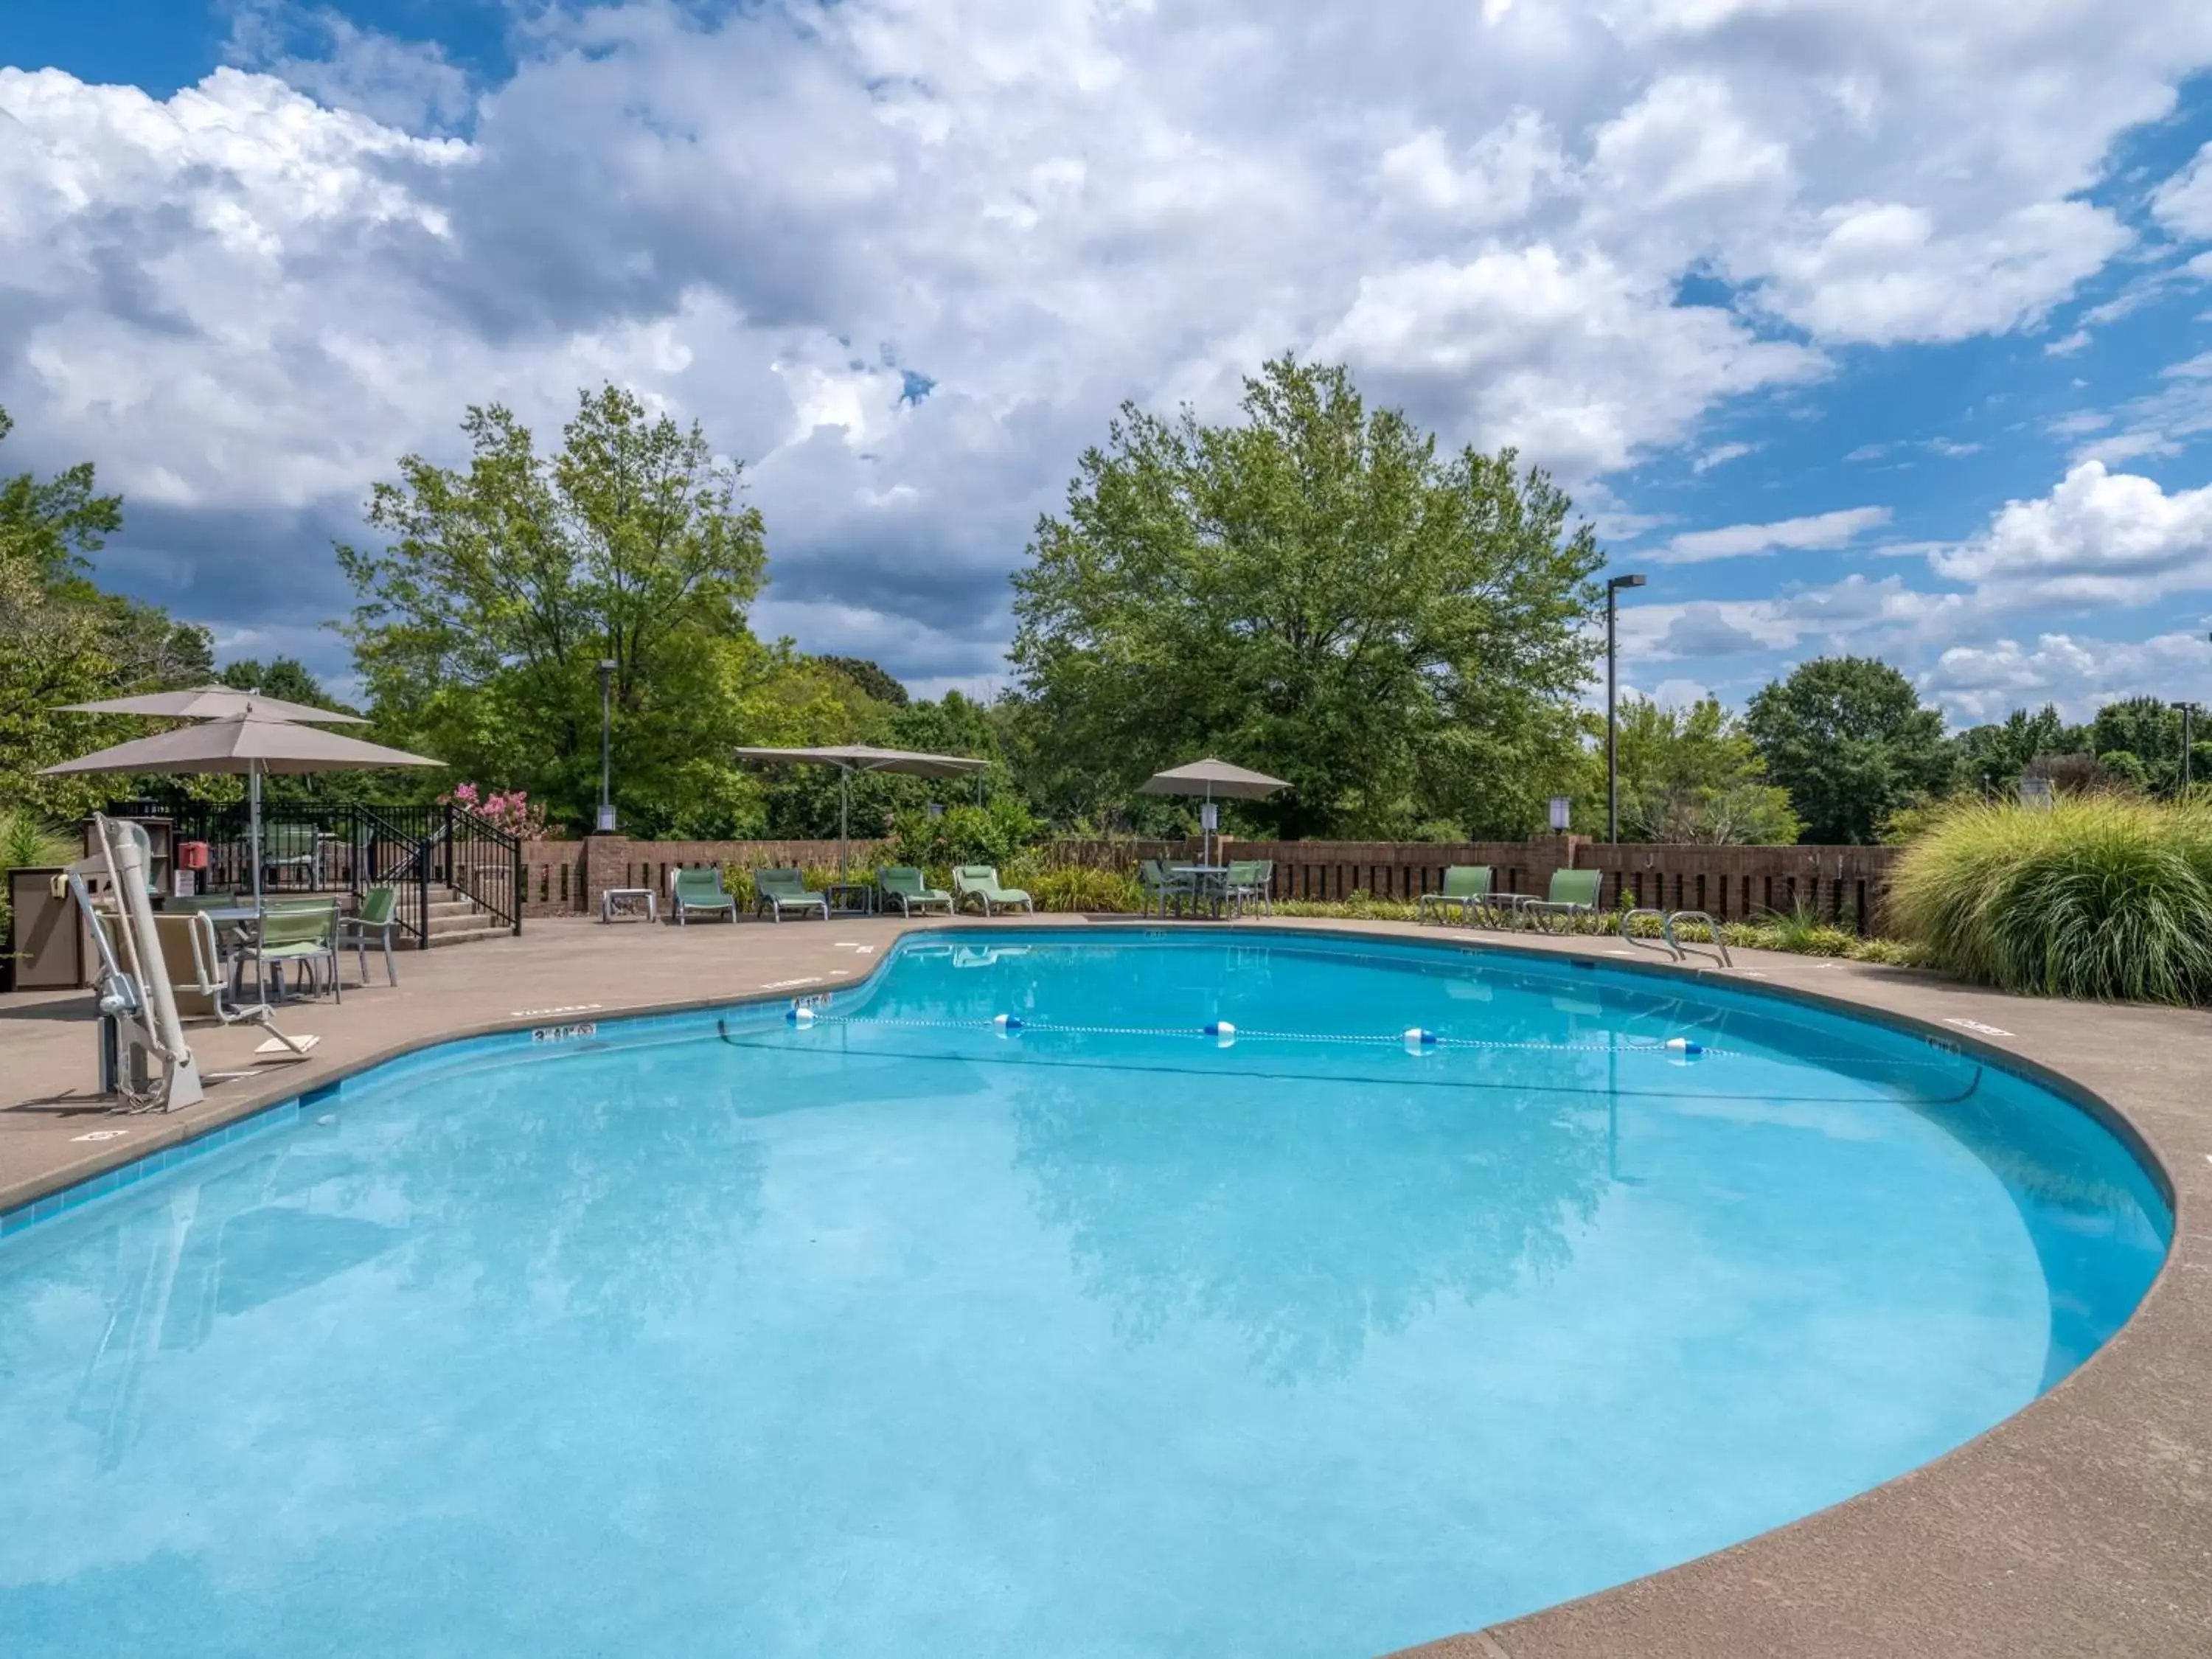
[
  {"x": 1976, "y": 683},
  {"x": 1820, "y": 530},
  {"x": 2100, "y": 538},
  {"x": 247, "y": 300}
]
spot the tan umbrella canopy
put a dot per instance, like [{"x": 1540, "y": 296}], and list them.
[
  {"x": 253, "y": 744},
  {"x": 852, "y": 757},
  {"x": 213, "y": 703},
  {"x": 1210, "y": 779}
]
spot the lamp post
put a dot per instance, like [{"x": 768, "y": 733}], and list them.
[
  {"x": 607, "y": 666},
  {"x": 1612, "y": 587}
]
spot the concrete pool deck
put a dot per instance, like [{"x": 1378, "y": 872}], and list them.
[{"x": 2081, "y": 1525}]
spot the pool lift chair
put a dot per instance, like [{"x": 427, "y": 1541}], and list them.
[{"x": 139, "y": 1021}]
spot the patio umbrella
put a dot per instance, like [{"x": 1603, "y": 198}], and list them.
[
  {"x": 852, "y": 757},
  {"x": 255, "y": 743},
  {"x": 213, "y": 703},
  {"x": 1209, "y": 778}
]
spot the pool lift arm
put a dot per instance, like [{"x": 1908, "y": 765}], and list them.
[{"x": 137, "y": 1008}]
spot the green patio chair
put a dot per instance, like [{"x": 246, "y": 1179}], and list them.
[
  {"x": 1573, "y": 893},
  {"x": 979, "y": 882},
  {"x": 778, "y": 891},
  {"x": 1467, "y": 885},
  {"x": 1162, "y": 884},
  {"x": 905, "y": 886},
  {"x": 1252, "y": 881},
  {"x": 376, "y": 920},
  {"x": 699, "y": 890},
  {"x": 303, "y": 935},
  {"x": 291, "y": 846}
]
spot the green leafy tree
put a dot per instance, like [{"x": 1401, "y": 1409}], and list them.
[
  {"x": 1315, "y": 591},
  {"x": 63, "y": 639},
  {"x": 1993, "y": 758},
  {"x": 2145, "y": 734},
  {"x": 285, "y": 678},
  {"x": 1848, "y": 740},
  {"x": 1694, "y": 775},
  {"x": 873, "y": 679},
  {"x": 504, "y": 585}
]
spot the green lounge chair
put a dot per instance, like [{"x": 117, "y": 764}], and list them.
[
  {"x": 979, "y": 882},
  {"x": 1573, "y": 893},
  {"x": 1252, "y": 881},
  {"x": 907, "y": 886},
  {"x": 1161, "y": 884},
  {"x": 302, "y": 934},
  {"x": 699, "y": 890},
  {"x": 778, "y": 891},
  {"x": 1467, "y": 885},
  {"x": 376, "y": 920}
]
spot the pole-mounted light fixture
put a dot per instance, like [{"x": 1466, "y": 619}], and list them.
[
  {"x": 607, "y": 666},
  {"x": 1612, "y": 587}
]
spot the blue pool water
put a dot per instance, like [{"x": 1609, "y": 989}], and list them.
[{"x": 902, "y": 1333}]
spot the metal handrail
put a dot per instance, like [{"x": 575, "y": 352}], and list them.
[
  {"x": 1720, "y": 951},
  {"x": 1627, "y": 937}
]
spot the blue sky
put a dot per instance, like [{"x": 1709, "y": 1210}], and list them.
[{"x": 1856, "y": 326}]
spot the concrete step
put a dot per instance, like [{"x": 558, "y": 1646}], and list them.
[
  {"x": 440, "y": 940},
  {"x": 468, "y": 935}
]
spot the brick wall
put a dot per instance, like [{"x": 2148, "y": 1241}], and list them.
[
  {"x": 1843, "y": 883},
  {"x": 566, "y": 878}
]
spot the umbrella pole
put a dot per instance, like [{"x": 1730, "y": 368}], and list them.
[
  {"x": 253, "y": 831},
  {"x": 844, "y": 804}
]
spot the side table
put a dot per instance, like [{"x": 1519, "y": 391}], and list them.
[{"x": 626, "y": 902}]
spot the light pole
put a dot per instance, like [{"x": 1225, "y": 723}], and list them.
[
  {"x": 607, "y": 666},
  {"x": 2187, "y": 709},
  {"x": 1612, "y": 587}
]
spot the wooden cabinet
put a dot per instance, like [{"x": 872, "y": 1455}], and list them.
[{"x": 48, "y": 949}]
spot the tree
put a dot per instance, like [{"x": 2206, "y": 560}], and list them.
[
  {"x": 1694, "y": 775},
  {"x": 1316, "y": 592},
  {"x": 2139, "y": 739},
  {"x": 285, "y": 678},
  {"x": 504, "y": 584},
  {"x": 1848, "y": 738},
  {"x": 873, "y": 678},
  {"x": 63, "y": 639},
  {"x": 1993, "y": 758}
]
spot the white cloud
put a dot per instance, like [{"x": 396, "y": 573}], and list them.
[
  {"x": 246, "y": 303},
  {"x": 1820, "y": 530},
  {"x": 1977, "y": 683},
  {"x": 1575, "y": 360},
  {"x": 2183, "y": 203},
  {"x": 1721, "y": 455},
  {"x": 1882, "y": 272},
  {"x": 2100, "y": 538}
]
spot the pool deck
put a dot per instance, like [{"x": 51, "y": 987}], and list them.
[{"x": 2081, "y": 1526}]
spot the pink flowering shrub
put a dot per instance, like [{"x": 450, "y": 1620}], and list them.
[{"x": 510, "y": 810}]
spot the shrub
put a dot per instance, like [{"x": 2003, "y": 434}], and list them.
[
  {"x": 2102, "y": 897},
  {"x": 1083, "y": 890},
  {"x": 996, "y": 834}
]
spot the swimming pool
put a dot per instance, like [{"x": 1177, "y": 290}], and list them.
[{"x": 999, "y": 1307}]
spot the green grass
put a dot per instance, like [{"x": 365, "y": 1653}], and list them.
[{"x": 2100, "y": 897}]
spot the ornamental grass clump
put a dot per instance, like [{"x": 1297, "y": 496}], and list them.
[{"x": 2101, "y": 897}]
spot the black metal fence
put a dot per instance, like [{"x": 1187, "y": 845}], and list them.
[{"x": 426, "y": 854}]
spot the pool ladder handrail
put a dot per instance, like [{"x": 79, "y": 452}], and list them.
[
  {"x": 1669, "y": 948},
  {"x": 1682, "y": 952},
  {"x": 1672, "y": 947}
]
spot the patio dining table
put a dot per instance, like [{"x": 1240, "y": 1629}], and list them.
[{"x": 1209, "y": 883}]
